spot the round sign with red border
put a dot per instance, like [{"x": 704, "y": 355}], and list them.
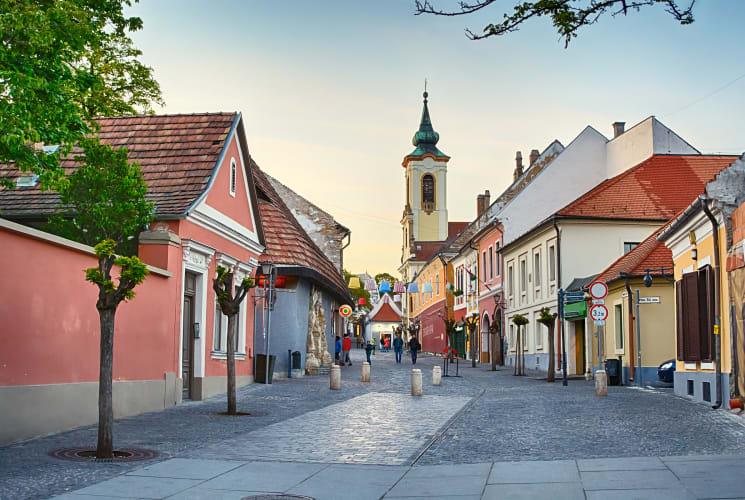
[
  {"x": 345, "y": 311},
  {"x": 599, "y": 312},
  {"x": 598, "y": 290}
]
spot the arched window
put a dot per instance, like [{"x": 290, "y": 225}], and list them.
[{"x": 428, "y": 193}]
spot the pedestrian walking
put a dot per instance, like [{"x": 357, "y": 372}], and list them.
[
  {"x": 387, "y": 345},
  {"x": 398, "y": 347},
  {"x": 369, "y": 348},
  {"x": 337, "y": 349},
  {"x": 414, "y": 347},
  {"x": 382, "y": 344},
  {"x": 346, "y": 347}
]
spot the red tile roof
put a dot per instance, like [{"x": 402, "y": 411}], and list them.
[
  {"x": 656, "y": 189},
  {"x": 424, "y": 250},
  {"x": 178, "y": 154},
  {"x": 455, "y": 228},
  {"x": 287, "y": 243},
  {"x": 649, "y": 254},
  {"x": 386, "y": 313}
]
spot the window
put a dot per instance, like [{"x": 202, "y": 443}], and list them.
[
  {"x": 694, "y": 295},
  {"x": 512, "y": 337},
  {"x": 232, "y": 177},
  {"x": 551, "y": 263},
  {"x": 497, "y": 259},
  {"x": 537, "y": 269},
  {"x": 217, "y": 332},
  {"x": 618, "y": 321},
  {"x": 523, "y": 276},
  {"x": 437, "y": 284},
  {"x": 428, "y": 193},
  {"x": 524, "y": 341},
  {"x": 491, "y": 264},
  {"x": 510, "y": 281},
  {"x": 629, "y": 246},
  {"x": 538, "y": 333},
  {"x": 483, "y": 275}
]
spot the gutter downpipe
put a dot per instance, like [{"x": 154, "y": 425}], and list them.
[
  {"x": 717, "y": 300},
  {"x": 563, "y": 359},
  {"x": 631, "y": 330}
]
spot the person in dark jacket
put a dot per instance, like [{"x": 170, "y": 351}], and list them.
[
  {"x": 337, "y": 349},
  {"x": 369, "y": 348},
  {"x": 414, "y": 347},
  {"x": 398, "y": 347}
]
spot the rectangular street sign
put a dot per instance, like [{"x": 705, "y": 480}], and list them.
[
  {"x": 600, "y": 323},
  {"x": 649, "y": 300},
  {"x": 598, "y": 301}
]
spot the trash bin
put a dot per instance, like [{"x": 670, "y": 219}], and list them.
[
  {"x": 260, "y": 373},
  {"x": 296, "y": 360},
  {"x": 612, "y": 369}
]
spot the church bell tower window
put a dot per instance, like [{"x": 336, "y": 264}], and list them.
[{"x": 428, "y": 193}]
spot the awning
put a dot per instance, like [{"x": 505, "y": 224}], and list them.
[{"x": 575, "y": 310}]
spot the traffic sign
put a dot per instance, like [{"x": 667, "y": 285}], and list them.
[
  {"x": 345, "y": 311},
  {"x": 598, "y": 290},
  {"x": 599, "y": 312},
  {"x": 574, "y": 297}
]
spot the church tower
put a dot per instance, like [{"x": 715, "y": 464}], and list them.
[{"x": 425, "y": 217}]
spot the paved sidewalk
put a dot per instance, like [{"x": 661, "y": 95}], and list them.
[{"x": 666, "y": 478}]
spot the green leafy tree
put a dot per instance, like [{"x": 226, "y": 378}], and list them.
[
  {"x": 385, "y": 277},
  {"x": 567, "y": 16},
  {"x": 549, "y": 321},
  {"x": 521, "y": 321},
  {"x": 356, "y": 292},
  {"x": 230, "y": 298},
  {"x": 62, "y": 63},
  {"x": 103, "y": 202}
]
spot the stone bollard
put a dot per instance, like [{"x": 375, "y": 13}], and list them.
[
  {"x": 601, "y": 383},
  {"x": 335, "y": 378},
  {"x": 416, "y": 382},
  {"x": 365, "y": 371},
  {"x": 436, "y": 375}
]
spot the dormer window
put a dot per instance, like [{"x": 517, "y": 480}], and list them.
[
  {"x": 27, "y": 181},
  {"x": 232, "y": 177}
]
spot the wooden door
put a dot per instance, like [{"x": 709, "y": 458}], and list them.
[
  {"x": 187, "y": 344},
  {"x": 579, "y": 343}
]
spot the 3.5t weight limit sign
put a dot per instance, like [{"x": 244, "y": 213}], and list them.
[{"x": 599, "y": 312}]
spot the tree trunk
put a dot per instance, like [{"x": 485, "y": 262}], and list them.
[
  {"x": 522, "y": 356},
  {"x": 473, "y": 348},
  {"x": 551, "y": 377},
  {"x": 517, "y": 352},
  {"x": 231, "y": 364},
  {"x": 105, "y": 446}
]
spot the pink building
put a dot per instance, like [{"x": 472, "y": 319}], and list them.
[
  {"x": 491, "y": 305},
  {"x": 170, "y": 341}
]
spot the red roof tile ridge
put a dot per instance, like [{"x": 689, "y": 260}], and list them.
[
  {"x": 631, "y": 260},
  {"x": 159, "y": 115}
]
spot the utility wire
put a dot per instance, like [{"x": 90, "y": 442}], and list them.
[{"x": 706, "y": 96}]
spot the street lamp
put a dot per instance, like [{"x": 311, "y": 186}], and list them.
[
  {"x": 267, "y": 269},
  {"x": 648, "y": 277}
]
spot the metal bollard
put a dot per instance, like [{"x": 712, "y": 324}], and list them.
[
  {"x": 436, "y": 375},
  {"x": 601, "y": 383},
  {"x": 335, "y": 378},
  {"x": 365, "y": 371},
  {"x": 416, "y": 382}
]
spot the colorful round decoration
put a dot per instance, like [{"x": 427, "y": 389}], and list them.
[{"x": 345, "y": 311}]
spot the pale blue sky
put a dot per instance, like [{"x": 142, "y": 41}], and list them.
[{"x": 331, "y": 91}]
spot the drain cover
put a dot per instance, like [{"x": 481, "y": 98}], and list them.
[
  {"x": 89, "y": 455},
  {"x": 277, "y": 496}
]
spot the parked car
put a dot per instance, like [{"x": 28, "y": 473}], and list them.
[{"x": 666, "y": 371}]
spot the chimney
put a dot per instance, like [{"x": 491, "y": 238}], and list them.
[
  {"x": 534, "y": 154},
  {"x": 618, "y": 128},
  {"x": 482, "y": 203},
  {"x": 518, "y": 166}
]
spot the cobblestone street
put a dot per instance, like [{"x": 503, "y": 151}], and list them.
[{"x": 477, "y": 418}]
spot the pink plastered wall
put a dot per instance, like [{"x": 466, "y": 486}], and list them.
[
  {"x": 49, "y": 326},
  {"x": 493, "y": 239},
  {"x": 219, "y": 196}
]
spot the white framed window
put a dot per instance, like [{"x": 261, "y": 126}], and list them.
[
  {"x": 217, "y": 335},
  {"x": 437, "y": 284},
  {"x": 491, "y": 264},
  {"x": 510, "y": 282},
  {"x": 618, "y": 325},
  {"x": 497, "y": 259},
  {"x": 483, "y": 274},
  {"x": 538, "y": 332},
  {"x": 512, "y": 336},
  {"x": 233, "y": 178},
  {"x": 552, "y": 263},
  {"x": 524, "y": 333},
  {"x": 523, "y": 277}
]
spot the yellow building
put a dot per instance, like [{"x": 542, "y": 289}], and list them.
[
  {"x": 698, "y": 241},
  {"x": 646, "y": 270}
]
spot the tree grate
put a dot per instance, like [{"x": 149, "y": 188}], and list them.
[{"x": 89, "y": 455}]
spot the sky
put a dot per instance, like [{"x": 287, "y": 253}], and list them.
[{"x": 331, "y": 92}]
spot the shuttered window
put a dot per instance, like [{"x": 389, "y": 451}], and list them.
[{"x": 695, "y": 315}]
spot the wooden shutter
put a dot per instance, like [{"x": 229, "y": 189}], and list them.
[
  {"x": 706, "y": 312},
  {"x": 679, "y": 322},
  {"x": 691, "y": 323}
]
